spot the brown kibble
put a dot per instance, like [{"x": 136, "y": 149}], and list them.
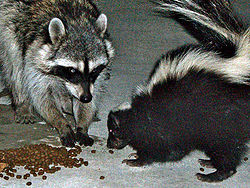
[
  {"x": 78, "y": 165},
  {"x": 245, "y": 159},
  {"x": 36, "y": 169},
  {"x": 6, "y": 177},
  {"x": 28, "y": 183},
  {"x": 18, "y": 176},
  {"x": 38, "y": 158},
  {"x": 93, "y": 151},
  {"x": 102, "y": 177},
  {"x": 202, "y": 169},
  {"x": 79, "y": 149},
  {"x": 111, "y": 151},
  {"x": 44, "y": 177},
  {"x": 27, "y": 175},
  {"x": 40, "y": 172},
  {"x": 3, "y": 166},
  {"x": 13, "y": 170}
]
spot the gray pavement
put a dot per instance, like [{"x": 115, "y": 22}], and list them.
[{"x": 139, "y": 38}]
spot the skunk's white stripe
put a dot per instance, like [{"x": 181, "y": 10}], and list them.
[
  {"x": 200, "y": 18},
  {"x": 235, "y": 69}
]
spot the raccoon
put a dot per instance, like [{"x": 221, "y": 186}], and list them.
[
  {"x": 196, "y": 97},
  {"x": 55, "y": 56}
]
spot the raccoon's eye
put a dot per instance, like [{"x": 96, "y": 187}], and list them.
[
  {"x": 72, "y": 70},
  {"x": 96, "y": 72},
  {"x": 98, "y": 69}
]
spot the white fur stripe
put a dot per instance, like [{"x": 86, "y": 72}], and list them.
[
  {"x": 66, "y": 63},
  {"x": 196, "y": 16},
  {"x": 96, "y": 62},
  {"x": 235, "y": 69}
]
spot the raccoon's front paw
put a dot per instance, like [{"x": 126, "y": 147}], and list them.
[
  {"x": 25, "y": 119},
  {"x": 83, "y": 138},
  {"x": 68, "y": 139},
  {"x": 23, "y": 115},
  {"x": 217, "y": 176}
]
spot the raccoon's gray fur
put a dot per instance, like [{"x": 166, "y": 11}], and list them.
[
  {"x": 54, "y": 57},
  {"x": 196, "y": 97}
]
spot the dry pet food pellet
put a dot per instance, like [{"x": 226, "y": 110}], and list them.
[
  {"x": 13, "y": 170},
  {"x": 102, "y": 177},
  {"x": 86, "y": 163},
  {"x": 2, "y": 165},
  {"x": 93, "y": 151},
  {"x": 6, "y": 177},
  {"x": 202, "y": 169},
  {"x": 44, "y": 177},
  {"x": 28, "y": 183},
  {"x": 245, "y": 159},
  {"x": 27, "y": 175},
  {"x": 41, "y": 172},
  {"x": 18, "y": 176},
  {"x": 111, "y": 151},
  {"x": 38, "y": 159}
]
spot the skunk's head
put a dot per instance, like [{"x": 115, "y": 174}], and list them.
[{"x": 118, "y": 133}]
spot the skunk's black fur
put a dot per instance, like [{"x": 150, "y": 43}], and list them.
[{"x": 197, "y": 96}]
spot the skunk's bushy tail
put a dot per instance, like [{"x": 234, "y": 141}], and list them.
[{"x": 211, "y": 22}]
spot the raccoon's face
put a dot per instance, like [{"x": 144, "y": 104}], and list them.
[
  {"x": 79, "y": 80},
  {"x": 117, "y": 138},
  {"x": 78, "y": 56}
]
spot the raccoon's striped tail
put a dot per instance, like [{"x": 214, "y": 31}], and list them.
[{"x": 211, "y": 22}]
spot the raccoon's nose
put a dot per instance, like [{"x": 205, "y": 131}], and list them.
[{"x": 86, "y": 98}]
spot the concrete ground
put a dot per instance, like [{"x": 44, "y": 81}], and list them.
[{"x": 139, "y": 38}]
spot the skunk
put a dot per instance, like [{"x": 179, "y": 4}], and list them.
[{"x": 196, "y": 97}]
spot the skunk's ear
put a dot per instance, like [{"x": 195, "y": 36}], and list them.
[
  {"x": 101, "y": 23},
  {"x": 56, "y": 30},
  {"x": 113, "y": 120}
]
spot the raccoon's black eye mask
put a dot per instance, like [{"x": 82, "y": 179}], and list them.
[
  {"x": 75, "y": 76},
  {"x": 67, "y": 73},
  {"x": 96, "y": 72}
]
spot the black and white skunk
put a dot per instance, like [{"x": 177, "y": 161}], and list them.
[{"x": 197, "y": 96}]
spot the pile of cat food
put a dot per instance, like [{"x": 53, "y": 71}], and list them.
[{"x": 38, "y": 160}]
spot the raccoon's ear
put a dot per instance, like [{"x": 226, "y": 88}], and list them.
[
  {"x": 102, "y": 23},
  {"x": 56, "y": 30}
]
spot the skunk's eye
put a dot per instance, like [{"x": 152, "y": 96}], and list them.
[{"x": 113, "y": 132}]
